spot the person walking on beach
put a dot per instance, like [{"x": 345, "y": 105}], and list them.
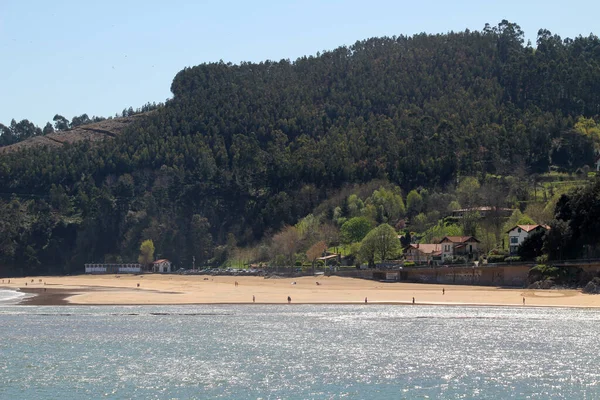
[
  {"x": 443, "y": 291},
  {"x": 365, "y": 300},
  {"x": 289, "y": 299},
  {"x": 523, "y": 300},
  {"x": 253, "y": 299},
  {"x": 413, "y": 300}
]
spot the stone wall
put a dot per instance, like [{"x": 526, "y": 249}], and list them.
[
  {"x": 485, "y": 276},
  {"x": 507, "y": 275}
]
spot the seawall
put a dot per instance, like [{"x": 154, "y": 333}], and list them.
[{"x": 507, "y": 275}]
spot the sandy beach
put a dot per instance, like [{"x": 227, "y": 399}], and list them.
[{"x": 202, "y": 289}]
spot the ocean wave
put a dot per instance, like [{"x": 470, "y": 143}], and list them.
[{"x": 8, "y": 296}]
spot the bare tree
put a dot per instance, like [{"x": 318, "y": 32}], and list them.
[
  {"x": 315, "y": 251},
  {"x": 286, "y": 244}
]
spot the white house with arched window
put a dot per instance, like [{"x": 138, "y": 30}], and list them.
[{"x": 519, "y": 233}]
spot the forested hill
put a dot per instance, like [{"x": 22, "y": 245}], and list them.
[{"x": 241, "y": 150}]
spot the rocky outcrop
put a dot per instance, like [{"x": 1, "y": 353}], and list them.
[
  {"x": 107, "y": 129},
  {"x": 592, "y": 287},
  {"x": 545, "y": 284}
]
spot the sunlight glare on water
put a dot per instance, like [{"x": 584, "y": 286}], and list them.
[{"x": 298, "y": 352}]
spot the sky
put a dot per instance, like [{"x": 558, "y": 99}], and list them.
[{"x": 98, "y": 57}]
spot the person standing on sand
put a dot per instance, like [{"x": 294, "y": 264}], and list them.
[
  {"x": 413, "y": 300},
  {"x": 253, "y": 299},
  {"x": 443, "y": 291},
  {"x": 365, "y": 300},
  {"x": 289, "y": 299},
  {"x": 523, "y": 300}
]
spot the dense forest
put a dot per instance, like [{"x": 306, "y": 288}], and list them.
[{"x": 242, "y": 151}]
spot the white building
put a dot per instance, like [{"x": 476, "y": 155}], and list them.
[
  {"x": 161, "y": 266},
  {"x": 519, "y": 233}
]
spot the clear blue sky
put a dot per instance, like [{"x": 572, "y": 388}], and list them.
[{"x": 98, "y": 57}]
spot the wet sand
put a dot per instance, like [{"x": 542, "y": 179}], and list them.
[{"x": 202, "y": 289}]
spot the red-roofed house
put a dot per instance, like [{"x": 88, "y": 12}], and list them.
[
  {"x": 518, "y": 233},
  {"x": 464, "y": 246},
  {"x": 423, "y": 253}
]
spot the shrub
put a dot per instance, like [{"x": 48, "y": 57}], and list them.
[
  {"x": 543, "y": 259},
  {"x": 498, "y": 252},
  {"x": 409, "y": 264},
  {"x": 496, "y": 258},
  {"x": 512, "y": 259},
  {"x": 458, "y": 260},
  {"x": 543, "y": 272}
]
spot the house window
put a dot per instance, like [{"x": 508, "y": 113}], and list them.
[
  {"x": 519, "y": 230},
  {"x": 514, "y": 239}
]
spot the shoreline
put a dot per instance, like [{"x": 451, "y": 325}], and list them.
[{"x": 155, "y": 289}]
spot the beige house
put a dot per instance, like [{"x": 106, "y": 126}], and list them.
[
  {"x": 518, "y": 234},
  {"x": 459, "y": 246},
  {"x": 161, "y": 266},
  {"x": 423, "y": 253}
]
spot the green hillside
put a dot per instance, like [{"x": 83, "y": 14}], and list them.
[{"x": 242, "y": 150}]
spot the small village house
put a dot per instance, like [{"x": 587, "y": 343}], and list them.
[
  {"x": 518, "y": 234},
  {"x": 459, "y": 246},
  {"x": 161, "y": 266},
  {"x": 423, "y": 253}
]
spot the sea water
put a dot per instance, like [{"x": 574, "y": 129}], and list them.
[{"x": 298, "y": 352}]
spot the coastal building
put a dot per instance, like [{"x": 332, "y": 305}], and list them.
[
  {"x": 330, "y": 258},
  {"x": 161, "y": 266},
  {"x": 518, "y": 234},
  {"x": 113, "y": 268},
  {"x": 459, "y": 246},
  {"x": 423, "y": 253}
]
